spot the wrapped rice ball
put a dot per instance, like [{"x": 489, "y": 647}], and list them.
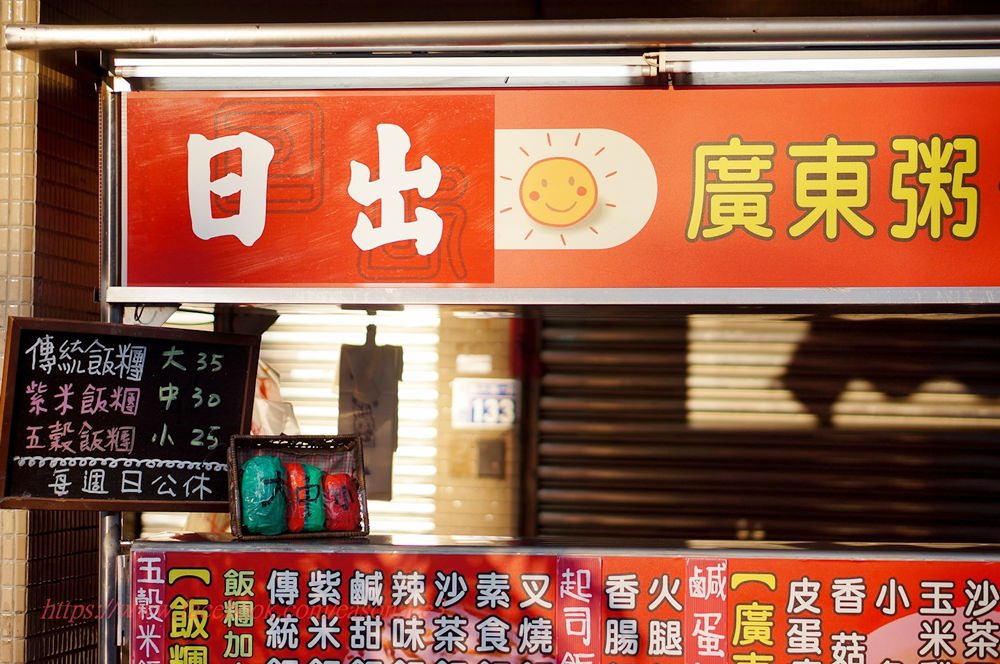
[
  {"x": 305, "y": 497},
  {"x": 262, "y": 490},
  {"x": 340, "y": 500}
]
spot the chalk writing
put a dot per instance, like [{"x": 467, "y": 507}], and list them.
[{"x": 113, "y": 412}]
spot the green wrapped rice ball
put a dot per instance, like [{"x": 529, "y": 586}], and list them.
[{"x": 263, "y": 496}]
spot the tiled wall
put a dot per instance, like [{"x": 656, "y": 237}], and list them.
[
  {"x": 13, "y": 583},
  {"x": 467, "y": 503},
  {"x": 48, "y": 267},
  {"x": 18, "y": 108}
]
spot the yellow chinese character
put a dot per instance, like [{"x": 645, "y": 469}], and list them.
[
  {"x": 754, "y": 624},
  {"x": 238, "y": 645},
  {"x": 237, "y": 613},
  {"x": 178, "y": 654},
  {"x": 737, "y": 196},
  {"x": 753, "y": 658},
  {"x": 940, "y": 177},
  {"x": 737, "y": 579},
  {"x": 201, "y": 573},
  {"x": 831, "y": 182},
  {"x": 188, "y": 618},
  {"x": 239, "y": 583}
]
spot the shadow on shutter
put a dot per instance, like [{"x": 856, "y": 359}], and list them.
[{"x": 827, "y": 428}]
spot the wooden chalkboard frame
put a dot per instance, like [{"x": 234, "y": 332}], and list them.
[{"x": 12, "y": 359}]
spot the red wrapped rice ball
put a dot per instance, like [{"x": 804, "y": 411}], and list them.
[
  {"x": 305, "y": 505},
  {"x": 341, "y": 502}
]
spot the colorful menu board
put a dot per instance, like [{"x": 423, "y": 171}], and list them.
[{"x": 396, "y": 606}]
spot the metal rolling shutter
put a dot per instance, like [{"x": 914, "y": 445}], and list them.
[{"x": 832, "y": 428}]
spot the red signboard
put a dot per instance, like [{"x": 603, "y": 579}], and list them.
[
  {"x": 505, "y": 607},
  {"x": 817, "y": 187}
]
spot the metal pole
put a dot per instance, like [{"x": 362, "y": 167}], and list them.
[
  {"x": 109, "y": 177},
  {"x": 111, "y": 522},
  {"x": 521, "y": 35},
  {"x": 107, "y": 626}
]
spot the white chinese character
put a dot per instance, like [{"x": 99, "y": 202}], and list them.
[
  {"x": 708, "y": 583},
  {"x": 248, "y": 224},
  {"x": 366, "y": 589},
  {"x": 68, "y": 361},
  {"x": 131, "y": 360},
  {"x": 408, "y": 589},
  {"x": 61, "y": 484},
  {"x": 365, "y": 632},
  {"x": 150, "y": 571},
  {"x": 937, "y": 637},
  {"x": 164, "y": 484},
  {"x": 197, "y": 487},
  {"x": 848, "y": 595},
  {"x": 848, "y": 648},
  {"x": 887, "y": 594},
  {"x": 324, "y": 629},
  {"x": 939, "y": 595},
  {"x": 93, "y": 481},
  {"x": 804, "y": 635},
  {"x": 491, "y": 590},
  {"x": 148, "y": 637},
  {"x": 708, "y": 639},
  {"x": 803, "y": 595},
  {"x": 621, "y": 636},
  {"x": 662, "y": 590},
  {"x": 575, "y": 584},
  {"x": 451, "y": 589},
  {"x": 283, "y": 586},
  {"x": 577, "y": 658},
  {"x": 408, "y": 633},
  {"x": 148, "y": 604},
  {"x": 981, "y": 641},
  {"x": 493, "y": 635},
  {"x": 394, "y": 179},
  {"x": 534, "y": 635},
  {"x": 665, "y": 638},
  {"x": 282, "y": 631},
  {"x": 535, "y": 586},
  {"x": 983, "y": 598},
  {"x": 622, "y": 590},
  {"x": 577, "y": 622},
  {"x": 450, "y": 634},
  {"x": 43, "y": 353},
  {"x": 99, "y": 359},
  {"x": 323, "y": 587}
]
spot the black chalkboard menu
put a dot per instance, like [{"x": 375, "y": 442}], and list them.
[{"x": 121, "y": 417}]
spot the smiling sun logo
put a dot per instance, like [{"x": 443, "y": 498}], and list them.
[
  {"x": 570, "y": 189},
  {"x": 558, "y": 191}
]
